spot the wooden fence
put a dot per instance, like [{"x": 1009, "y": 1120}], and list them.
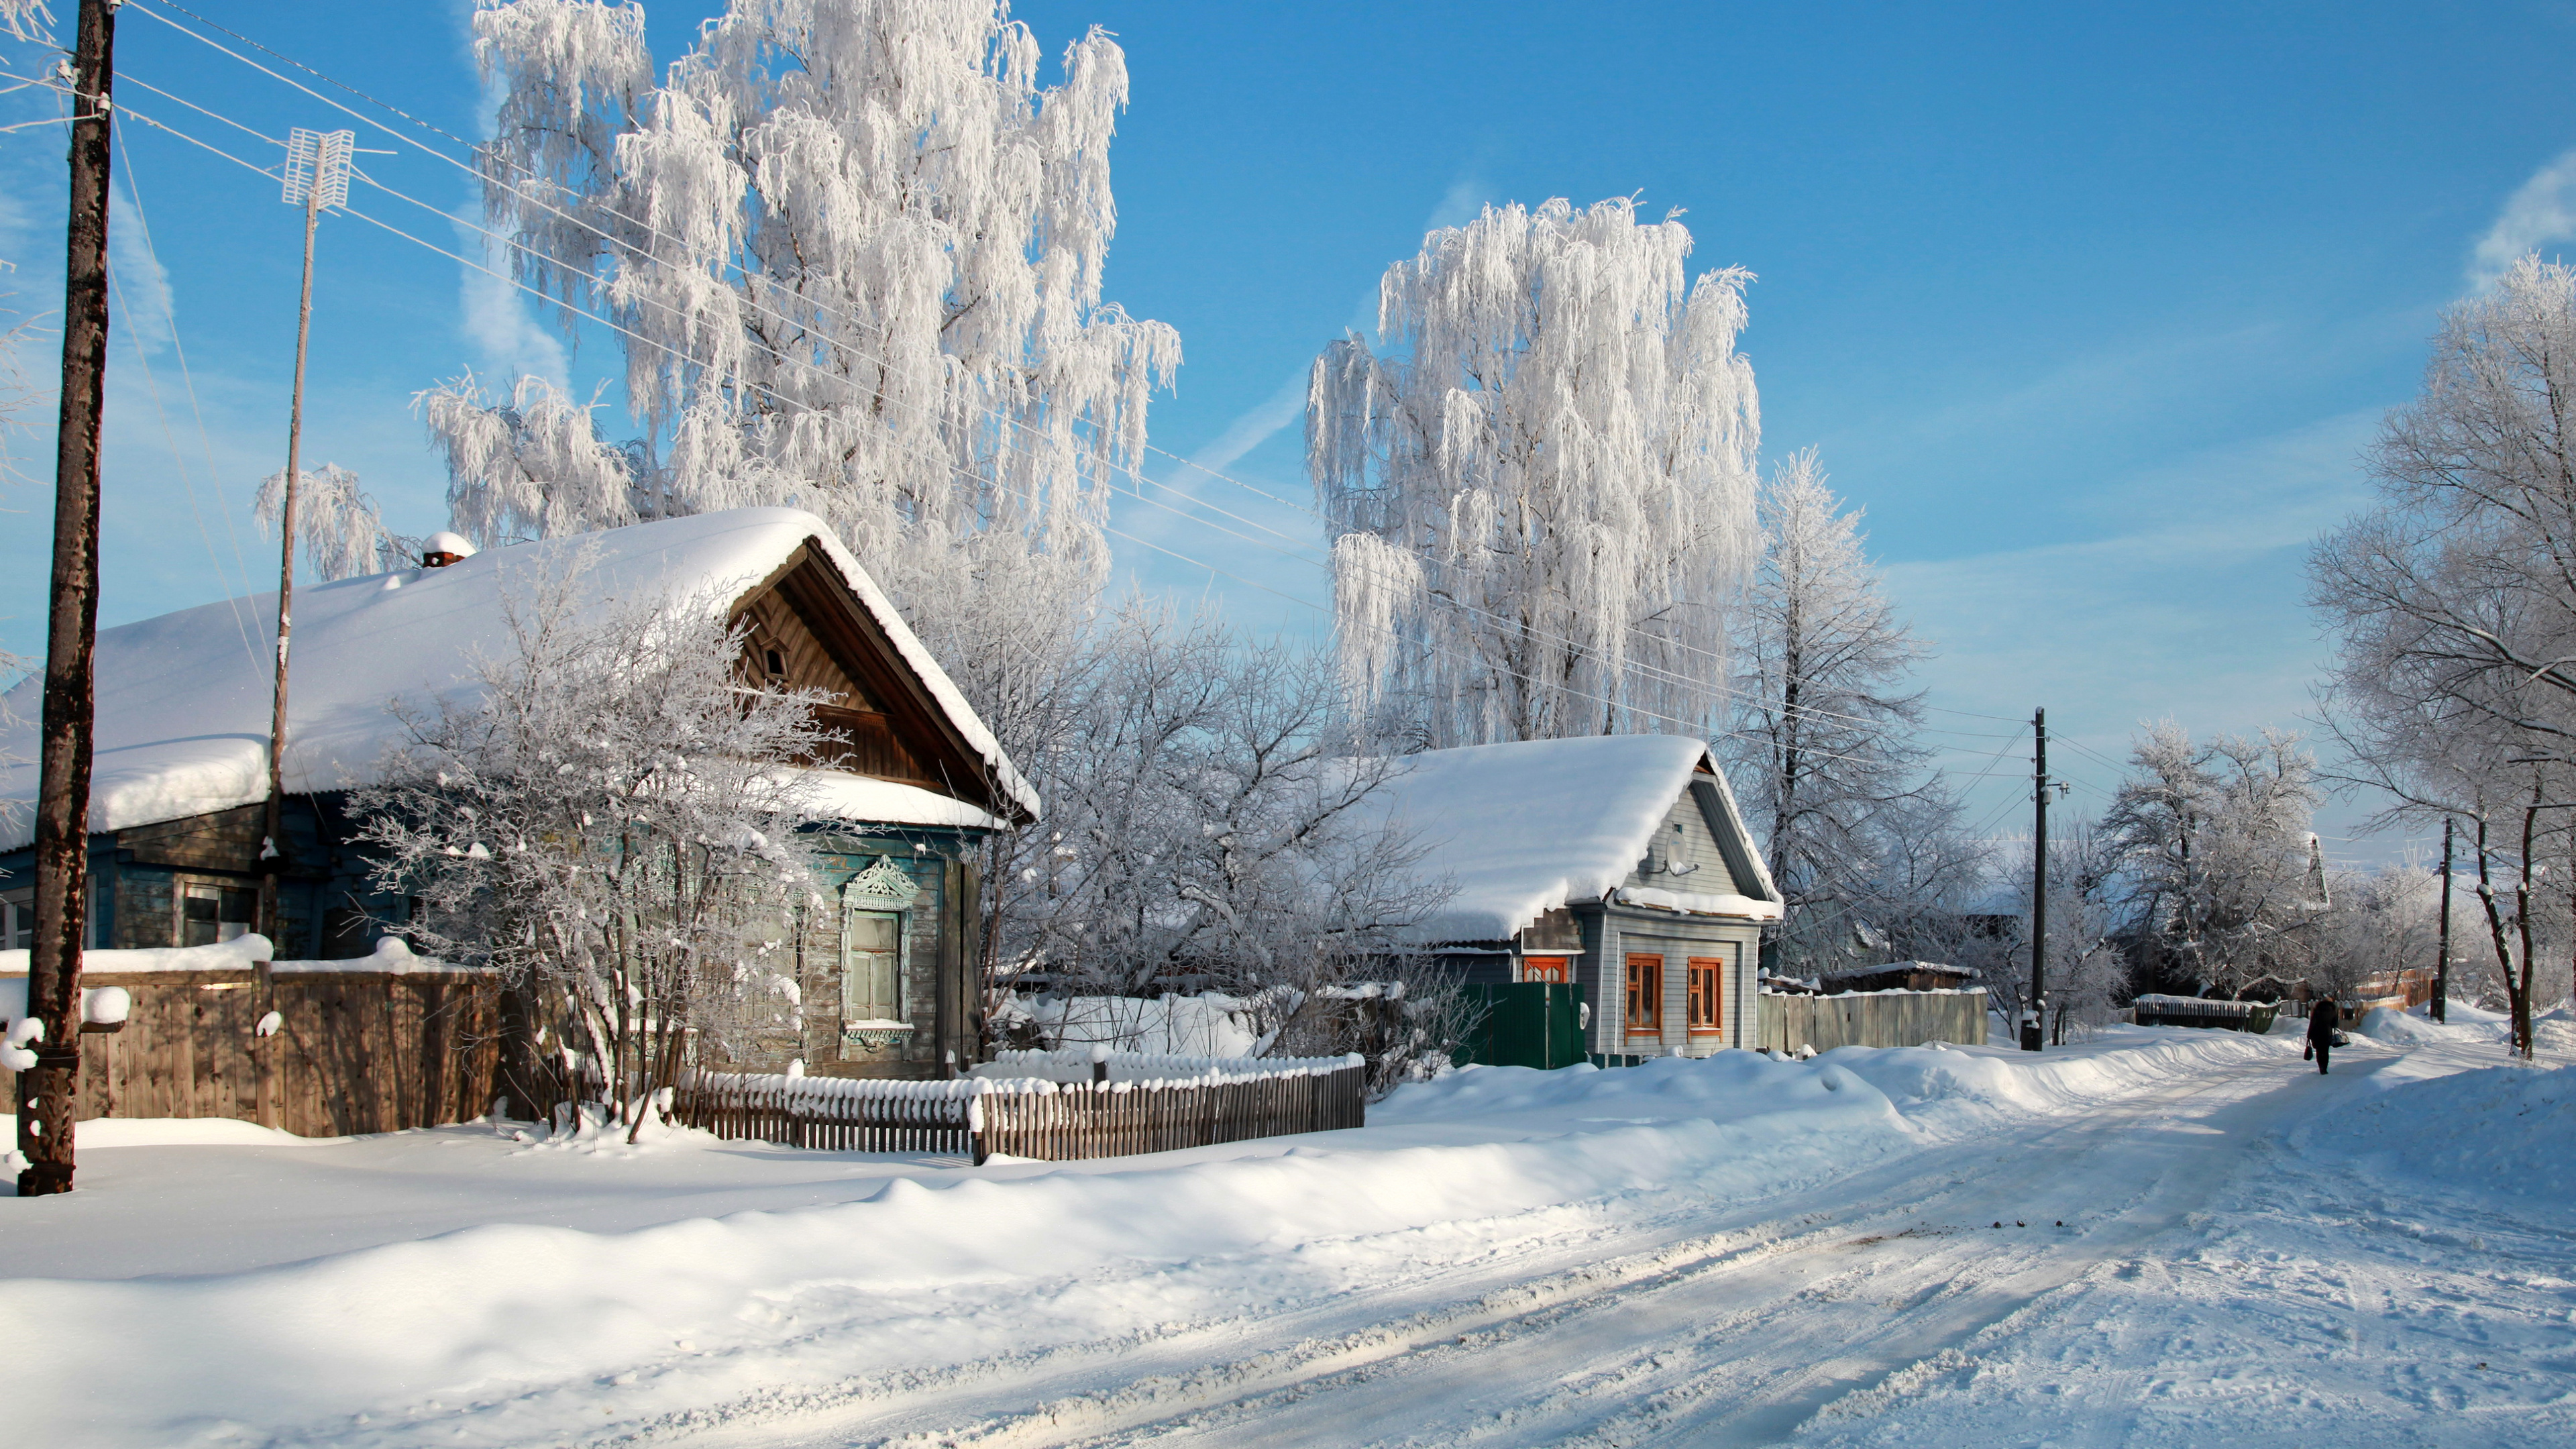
[
  {"x": 353, "y": 1051},
  {"x": 1027, "y": 1116},
  {"x": 2247, "y": 1016},
  {"x": 1873, "y": 1018}
]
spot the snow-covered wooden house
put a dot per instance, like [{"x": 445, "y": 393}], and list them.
[
  {"x": 180, "y": 775},
  {"x": 1618, "y": 863}
]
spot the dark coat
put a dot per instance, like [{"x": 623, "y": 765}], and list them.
[{"x": 2323, "y": 1018}]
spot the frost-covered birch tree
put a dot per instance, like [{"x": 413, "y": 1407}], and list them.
[
  {"x": 1542, "y": 490},
  {"x": 854, "y": 251},
  {"x": 1821, "y": 749},
  {"x": 614, "y": 821}
]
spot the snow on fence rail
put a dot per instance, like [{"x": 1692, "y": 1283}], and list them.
[
  {"x": 2154, "y": 1009},
  {"x": 1214, "y": 1100},
  {"x": 1079, "y": 1064},
  {"x": 1873, "y": 1019}
]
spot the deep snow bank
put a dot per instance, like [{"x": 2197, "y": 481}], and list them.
[
  {"x": 545, "y": 1314},
  {"x": 2497, "y": 1130}
]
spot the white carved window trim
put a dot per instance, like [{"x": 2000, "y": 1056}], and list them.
[{"x": 883, "y": 889}]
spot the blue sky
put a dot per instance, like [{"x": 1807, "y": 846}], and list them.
[{"x": 2092, "y": 312}]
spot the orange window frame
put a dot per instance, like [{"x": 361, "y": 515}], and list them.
[
  {"x": 1707, "y": 995},
  {"x": 1645, "y": 993},
  {"x": 1558, "y": 969}
]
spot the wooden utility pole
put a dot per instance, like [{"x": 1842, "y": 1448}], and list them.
[
  {"x": 2035, "y": 1018},
  {"x": 49, "y": 1091},
  {"x": 317, "y": 169},
  {"x": 2442, "y": 967}
]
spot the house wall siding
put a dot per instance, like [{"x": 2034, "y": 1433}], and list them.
[{"x": 1684, "y": 839}]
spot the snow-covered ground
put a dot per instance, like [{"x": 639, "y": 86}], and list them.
[{"x": 2165, "y": 1236}]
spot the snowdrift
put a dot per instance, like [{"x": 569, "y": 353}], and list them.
[
  {"x": 2497, "y": 1130},
  {"x": 543, "y": 1328}
]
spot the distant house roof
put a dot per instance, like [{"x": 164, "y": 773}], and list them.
[
  {"x": 184, "y": 699},
  {"x": 1522, "y": 829}
]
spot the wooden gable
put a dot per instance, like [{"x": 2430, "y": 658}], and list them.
[{"x": 805, "y": 630}]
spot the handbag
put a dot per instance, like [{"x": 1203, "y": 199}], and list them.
[{"x": 2308, "y": 1050}]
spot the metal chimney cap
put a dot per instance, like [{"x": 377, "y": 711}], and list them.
[{"x": 443, "y": 548}]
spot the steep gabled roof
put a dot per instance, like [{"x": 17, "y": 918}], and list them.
[
  {"x": 183, "y": 699},
  {"x": 1521, "y": 829}
]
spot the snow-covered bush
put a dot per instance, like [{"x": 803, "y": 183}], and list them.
[{"x": 613, "y": 821}]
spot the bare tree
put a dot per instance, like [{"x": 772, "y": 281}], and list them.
[
  {"x": 1205, "y": 826},
  {"x": 1859, "y": 834},
  {"x": 612, "y": 816},
  {"x": 2453, "y": 599}
]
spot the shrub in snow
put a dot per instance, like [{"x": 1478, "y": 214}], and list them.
[{"x": 614, "y": 821}]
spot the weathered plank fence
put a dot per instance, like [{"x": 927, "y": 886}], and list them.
[
  {"x": 1873, "y": 1019},
  {"x": 1031, "y": 1104},
  {"x": 351, "y": 1051},
  {"x": 2247, "y": 1016}
]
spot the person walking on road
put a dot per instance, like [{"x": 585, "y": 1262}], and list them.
[{"x": 2323, "y": 1019}]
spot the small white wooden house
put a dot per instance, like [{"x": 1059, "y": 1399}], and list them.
[{"x": 1618, "y": 863}]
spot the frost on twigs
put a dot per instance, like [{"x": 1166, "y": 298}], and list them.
[
  {"x": 855, "y": 251},
  {"x": 336, "y": 523},
  {"x": 616, "y": 821},
  {"x": 1561, "y": 435}
]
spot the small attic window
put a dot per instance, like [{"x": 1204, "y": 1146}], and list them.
[{"x": 776, "y": 663}]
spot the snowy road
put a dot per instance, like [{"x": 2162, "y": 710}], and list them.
[
  {"x": 2161, "y": 1238},
  {"x": 1705, "y": 1326}
]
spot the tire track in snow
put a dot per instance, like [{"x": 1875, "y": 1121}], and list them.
[{"x": 1614, "y": 1370}]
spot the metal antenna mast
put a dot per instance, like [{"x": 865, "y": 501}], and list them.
[{"x": 317, "y": 178}]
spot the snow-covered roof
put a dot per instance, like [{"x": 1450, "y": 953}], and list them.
[
  {"x": 184, "y": 699},
  {"x": 1521, "y": 829}
]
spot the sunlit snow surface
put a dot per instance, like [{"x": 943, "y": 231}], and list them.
[{"x": 1709, "y": 1252}]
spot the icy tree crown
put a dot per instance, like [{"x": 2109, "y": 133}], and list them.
[
  {"x": 1544, "y": 487},
  {"x": 856, "y": 249}
]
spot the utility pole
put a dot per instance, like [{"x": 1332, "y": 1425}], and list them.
[
  {"x": 2034, "y": 1020},
  {"x": 317, "y": 178},
  {"x": 2442, "y": 968},
  {"x": 48, "y": 1092}
]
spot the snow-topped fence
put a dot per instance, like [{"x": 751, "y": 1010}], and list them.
[
  {"x": 2247, "y": 1016},
  {"x": 1873, "y": 1019},
  {"x": 377, "y": 1043},
  {"x": 1052, "y": 1106}
]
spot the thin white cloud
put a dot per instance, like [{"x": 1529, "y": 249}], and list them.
[
  {"x": 142, "y": 283},
  {"x": 508, "y": 339},
  {"x": 2540, "y": 214},
  {"x": 1254, "y": 428}
]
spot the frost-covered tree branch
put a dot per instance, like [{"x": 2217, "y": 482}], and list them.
[
  {"x": 336, "y": 523},
  {"x": 856, "y": 250},
  {"x": 1553, "y": 462}
]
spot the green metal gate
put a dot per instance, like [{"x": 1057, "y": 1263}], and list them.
[{"x": 1527, "y": 1024}]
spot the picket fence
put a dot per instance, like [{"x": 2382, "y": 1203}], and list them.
[{"x": 1010, "y": 1109}]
